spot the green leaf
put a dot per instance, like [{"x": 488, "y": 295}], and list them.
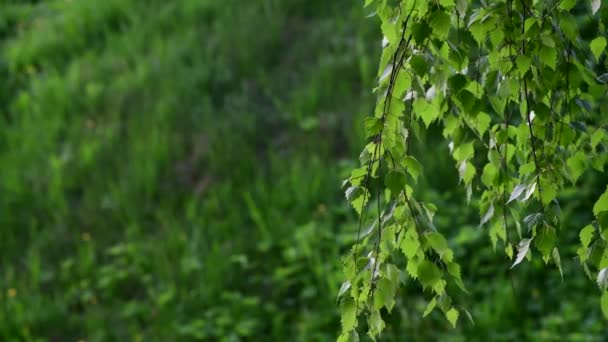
[
  {"x": 440, "y": 24},
  {"x": 457, "y": 82},
  {"x": 597, "y": 137},
  {"x": 440, "y": 245},
  {"x": 467, "y": 101},
  {"x": 452, "y": 316},
  {"x": 586, "y": 235},
  {"x": 497, "y": 230},
  {"x": 545, "y": 242},
  {"x": 358, "y": 197},
  {"x": 429, "y": 307},
  {"x": 558, "y": 262},
  {"x": 466, "y": 171},
  {"x": 389, "y": 29},
  {"x": 428, "y": 274},
  {"x": 375, "y": 323},
  {"x": 523, "y": 63},
  {"x": 527, "y": 169},
  {"x": 567, "y": 5},
  {"x": 348, "y": 314},
  {"x": 604, "y": 304},
  {"x": 395, "y": 181},
  {"x": 464, "y": 152},
  {"x": 421, "y": 30},
  {"x": 426, "y": 111},
  {"x": 576, "y": 165},
  {"x": 372, "y": 126},
  {"x": 403, "y": 82},
  {"x": 384, "y": 294},
  {"x": 345, "y": 286},
  {"x": 601, "y": 204},
  {"x": 414, "y": 168},
  {"x": 490, "y": 171},
  {"x": 483, "y": 121},
  {"x": 531, "y": 23},
  {"x": 568, "y": 24},
  {"x": 549, "y": 193},
  {"x": 419, "y": 64},
  {"x": 410, "y": 244},
  {"x": 548, "y": 56},
  {"x": 598, "y": 45}
]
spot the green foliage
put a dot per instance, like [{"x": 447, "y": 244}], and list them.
[{"x": 519, "y": 132}]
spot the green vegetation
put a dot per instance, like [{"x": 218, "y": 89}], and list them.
[
  {"x": 520, "y": 133},
  {"x": 171, "y": 171}
]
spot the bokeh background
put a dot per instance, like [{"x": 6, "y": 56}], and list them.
[{"x": 171, "y": 171}]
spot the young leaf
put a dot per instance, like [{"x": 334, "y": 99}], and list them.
[
  {"x": 452, "y": 316},
  {"x": 586, "y": 235},
  {"x": 576, "y": 165},
  {"x": 349, "y": 315},
  {"x": 545, "y": 241},
  {"x": 426, "y": 111},
  {"x": 523, "y": 63},
  {"x": 490, "y": 171},
  {"x": 410, "y": 244},
  {"x": 597, "y": 137},
  {"x": 440, "y": 245},
  {"x": 429, "y": 307},
  {"x": 601, "y": 204},
  {"x": 598, "y": 45},
  {"x": 567, "y": 5}
]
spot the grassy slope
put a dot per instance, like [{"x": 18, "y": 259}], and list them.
[{"x": 161, "y": 166}]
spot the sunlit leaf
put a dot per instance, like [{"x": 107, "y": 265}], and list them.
[
  {"x": 586, "y": 235},
  {"x": 598, "y": 46},
  {"x": 601, "y": 204},
  {"x": 522, "y": 251},
  {"x": 452, "y": 316},
  {"x": 345, "y": 286},
  {"x": 488, "y": 215},
  {"x": 595, "y": 5},
  {"x": 517, "y": 191}
]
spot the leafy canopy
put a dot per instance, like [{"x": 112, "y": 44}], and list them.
[{"x": 519, "y": 94}]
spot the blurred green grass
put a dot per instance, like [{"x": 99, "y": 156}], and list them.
[
  {"x": 170, "y": 170},
  {"x": 162, "y": 175}
]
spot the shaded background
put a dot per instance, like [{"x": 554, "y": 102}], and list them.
[{"x": 170, "y": 171}]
